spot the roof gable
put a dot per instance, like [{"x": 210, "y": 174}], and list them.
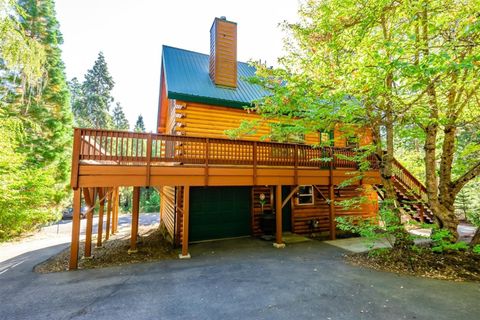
[{"x": 187, "y": 78}]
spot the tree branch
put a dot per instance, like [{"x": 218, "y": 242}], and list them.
[{"x": 466, "y": 177}]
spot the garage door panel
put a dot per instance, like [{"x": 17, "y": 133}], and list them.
[{"x": 219, "y": 212}]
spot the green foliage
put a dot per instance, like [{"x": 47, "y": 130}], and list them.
[
  {"x": 442, "y": 242},
  {"x": 92, "y": 99},
  {"x": 476, "y": 249},
  {"x": 119, "y": 121},
  {"x": 139, "y": 125},
  {"x": 19, "y": 54},
  {"x": 35, "y": 126},
  {"x": 385, "y": 227},
  {"x": 149, "y": 200},
  {"x": 27, "y": 198},
  {"x": 407, "y": 69},
  {"x": 468, "y": 202}
]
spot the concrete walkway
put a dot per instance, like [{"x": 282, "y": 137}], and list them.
[{"x": 232, "y": 279}]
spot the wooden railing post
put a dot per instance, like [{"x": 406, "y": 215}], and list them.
[
  {"x": 254, "y": 163},
  {"x": 332, "y": 159},
  {"x": 295, "y": 165},
  {"x": 149, "y": 159},
  {"x": 207, "y": 146},
  {"x": 75, "y": 158}
]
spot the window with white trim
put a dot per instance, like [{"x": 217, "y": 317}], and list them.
[{"x": 305, "y": 195}]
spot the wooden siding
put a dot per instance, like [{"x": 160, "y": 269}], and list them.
[
  {"x": 257, "y": 207},
  {"x": 167, "y": 210},
  {"x": 364, "y": 134},
  {"x": 201, "y": 120},
  {"x": 223, "y": 53},
  {"x": 303, "y": 215}
]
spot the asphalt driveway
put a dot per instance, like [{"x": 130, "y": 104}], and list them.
[{"x": 235, "y": 279}]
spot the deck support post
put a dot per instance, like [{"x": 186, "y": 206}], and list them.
[
  {"x": 90, "y": 200},
  {"x": 331, "y": 195},
  {"x": 109, "y": 213},
  {"x": 185, "y": 226},
  {"x": 115, "y": 211},
  {"x": 278, "y": 218},
  {"x": 135, "y": 215},
  {"x": 74, "y": 246},
  {"x": 100, "y": 217},
  {"x": 333, "y": 225}
]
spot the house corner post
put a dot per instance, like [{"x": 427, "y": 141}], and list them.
[
  {"x": 74, "y": 246},
  {"x": 278, "y": 218},
  {"x": 185, "y": 224}
]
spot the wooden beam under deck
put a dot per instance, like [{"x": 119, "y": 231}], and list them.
[{"x": 189, "y": 175}]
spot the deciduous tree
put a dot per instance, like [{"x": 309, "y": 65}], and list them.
[{"x": 388, "y": 64}]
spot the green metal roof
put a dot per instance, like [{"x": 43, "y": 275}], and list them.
[{"x": 187, "y": 78}]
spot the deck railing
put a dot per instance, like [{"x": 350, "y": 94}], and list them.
[
  {"x": 408, "y": 181},
  {"x": 135, "y": 148}
]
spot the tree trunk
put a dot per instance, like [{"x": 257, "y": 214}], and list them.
[
  {"x": 446, "y": 219},
  {"x": 402, "y": 239},
  {"x": 476, "y": 238}
]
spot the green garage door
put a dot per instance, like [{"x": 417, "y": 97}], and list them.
[{"x": 219, "y": 212}]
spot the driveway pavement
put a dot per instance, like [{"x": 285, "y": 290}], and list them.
[
  {"x": 232, "y": 279},
  {"x": 58, "y": 234}
]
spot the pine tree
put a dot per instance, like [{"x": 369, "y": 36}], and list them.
[
  {"x": 97, "y": 89},
  {"x": 139, "y": 125},
  {"x": 77, "y": 101},
  {"x": 119, "y": 121},
  {"x": 48, "y": 122},
  {"x": 35, "y": 126}
]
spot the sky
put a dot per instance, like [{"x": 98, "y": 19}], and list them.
[{"x": 131, "y": 34}]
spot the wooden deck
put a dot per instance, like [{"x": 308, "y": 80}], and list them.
[{"x": 103, "y": 158}]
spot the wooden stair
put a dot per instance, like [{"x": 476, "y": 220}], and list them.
[{"x": 411, "y": 194}]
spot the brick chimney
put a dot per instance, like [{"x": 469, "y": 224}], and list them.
[{"x": 223, "y": 52}]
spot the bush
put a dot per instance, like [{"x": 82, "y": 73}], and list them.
[
  {"x": 442, "y": 242},
  {"x": 384, "y": 227}
]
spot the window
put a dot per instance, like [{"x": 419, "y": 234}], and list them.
[
  {"x": 326, "y": 138},
  {"x": 352, "y": 142},
  {"x": 305, "y": 195}
]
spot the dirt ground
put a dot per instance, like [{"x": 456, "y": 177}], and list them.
[
  {"x": 151, "y": 247},
  {"x": 457, "y": 266}
]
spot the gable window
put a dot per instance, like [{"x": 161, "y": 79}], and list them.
[{"x": 305, "y": 195}]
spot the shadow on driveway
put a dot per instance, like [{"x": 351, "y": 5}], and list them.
[{"x": 234, "y": 279}]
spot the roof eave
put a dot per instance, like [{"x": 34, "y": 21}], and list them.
[{"x": 208, "y": 100}]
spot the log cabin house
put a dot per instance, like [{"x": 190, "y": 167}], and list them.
[{"x": 213, "y": 187}]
